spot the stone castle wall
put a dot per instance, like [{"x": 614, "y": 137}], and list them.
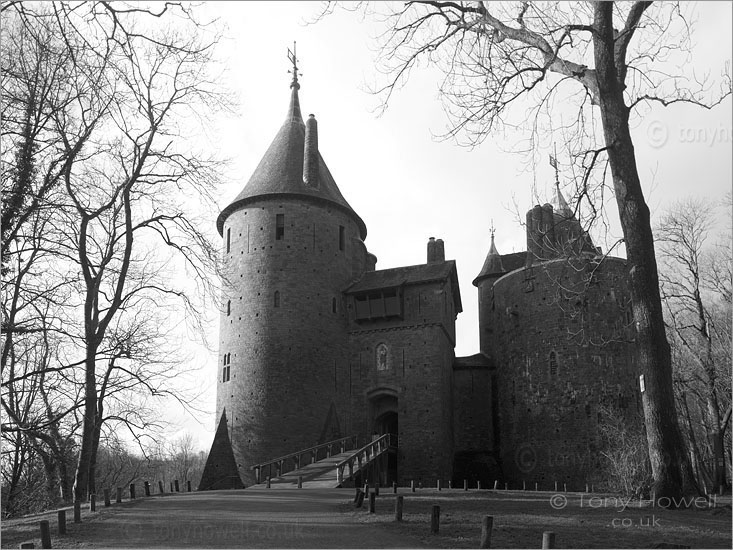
[
  {"x": 288, "y": 357},
  {"x": 560, "y": 335}
]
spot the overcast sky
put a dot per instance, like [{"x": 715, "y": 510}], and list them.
[{"x": 408, "y": 186}]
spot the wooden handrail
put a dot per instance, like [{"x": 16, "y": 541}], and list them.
[
  {"x": 371, "y": 450},
  {"x": 296, "y": 455}
]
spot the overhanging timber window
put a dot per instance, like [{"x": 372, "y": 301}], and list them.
[{"x": 380, "y": 304}]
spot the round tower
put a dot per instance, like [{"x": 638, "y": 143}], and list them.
[{"x": 291, "y": 245}]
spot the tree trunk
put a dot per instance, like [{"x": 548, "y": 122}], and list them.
[
  {"x": 670, "y": 463},
  {"x": 83, "y": 468}
]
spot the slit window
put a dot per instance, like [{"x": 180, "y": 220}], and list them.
[
  {"x": 229, "y": 308},
  {"x": 333, "y": 305},
  {"x": 277, "y": 298},
  {"x": 225, "y": 374},
  {"x": 553, "y": 363},
  {"x": 279, "y": 227},
  {"x": 342, "y": 237},
  {"x": 229, "y": 239}
]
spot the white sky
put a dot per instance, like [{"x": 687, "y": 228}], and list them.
[{"x": 404, "y": 184}]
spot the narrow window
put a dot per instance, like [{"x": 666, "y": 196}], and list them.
[
  {"x": 553, "y": 363},
  {"x": 229, "y": 239},
  {"x": 342, "y": 237},
  {"x": 228, "y": 371},
  {"x": 333, "y": 305},
  {"x": 225, "y": 359},
  {"x": 229, "y": 308},
  {"x": 279, "y": 227},
  {"x": 224, "y": 374},
  {"x": 229, "y": 358},
  {"x": 277, "y": 298}
]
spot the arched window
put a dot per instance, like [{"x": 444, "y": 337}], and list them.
[
  {"x": 277, "y": 298},
  {"x": 553, "y": 363}
]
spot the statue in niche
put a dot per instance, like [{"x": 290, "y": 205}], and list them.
[{"x": 382, "y": 357}]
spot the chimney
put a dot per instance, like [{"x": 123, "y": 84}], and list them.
[
  {"x": 310, "y": 153},
  {"x": 439, "y": 250},
  {"x": 371, "y": 262},
  {"x": 431, "y": 250}
]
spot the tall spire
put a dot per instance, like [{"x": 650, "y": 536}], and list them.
[
  {"x": 294, "y": 108},
  {"x": 560, "y": 204}
]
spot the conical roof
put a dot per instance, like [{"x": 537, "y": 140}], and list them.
[
  {"x": 280, "y": 172},
  {"x": 561, "y": 205},
  {"x": 492, "y": 264}
]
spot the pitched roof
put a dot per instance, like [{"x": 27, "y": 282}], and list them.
[
  {"x": 410, "y": 275},
  {"x": 280, "y": 172}
]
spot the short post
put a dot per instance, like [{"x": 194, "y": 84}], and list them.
[
  {"x": 376, "y": 489},
  {"x": 77, "y": 511},
  {"x": 62, "y": 522},
  {"x": 372, "y": 503},
  {"x": 356, "y": 494},
  {"x": 359, "y": 498},
  {"x": 435, "y": 520},
  {"x": 524, "y": 485},
  {"x": 132, "y": 491},
  {"x": 119, "y": 495},
  {"x": 188, "y": 485},
  {"x": 27, "y": 544},
  {"x": 398, "y": 505},
  {"x": 450, "y": 484},
  {"x": 438, "y": 485},
  {"x": 556, "y": 486},
  {"x": 160, "y": 487},
  {"x": 412, "y": 485},
  {"x": 394, "y": 487},
  {"x": 478, "y": 485},
  {"x": 564, "y": 487},
  {"x": 175, "y": 484},
  {"x": 45, "y": 534},
  {"x": 486, "y": 526},
  {"x": 506, "y": 485},
  {"x": 496, "y": 484},
  {"x": 146, "y": 485},
  {"x": 535, "y": 485},
  {"x": 366, "y": 488},
  {"x": 300, "y": 482},
  {"x": 268, "y": 482},
  {"x": 92, "y": 502},
  {"x": 465, "y": 485},
  {"x": 548, "y": 539}
]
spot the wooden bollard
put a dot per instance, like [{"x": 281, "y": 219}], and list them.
[
  {"x": 119, "y": 495},
  {"x": 146, "y": 486},
  {"x": 435, "y": 520},
  {"x": 587, "y": 489},
  {"x": 524, "y": 485},
  {"x": 548, "y": 539},
  {"x": 366, "y": 488},
  {"x": 398, "y": 505},
  {"x": 376, "y": 489},
  {"x": 564, "y": 487},
  {"x": 188, "y": 485},
  {"x": 450, "y": 484},
  {"x": 132, "y": 491},
  {"x": 496, "y": 484},
  {"x": 107, "y": 503},
  {"x": 45, "y": 534},
  {"x": 300, "y": 482},
  {"x": 394, "y": 487},
  {"x": 62, "y": 522},
  {"x": 535, "y": 485},
  {"x": 356, "y": 494},
  {"x": 465, "y": 485},
  {"x": 478, "y": 485},
  {"x": 372, "y": 503},
  {"x": 556, "y": 486},
  {"x": 486, "y": 526},
  {"x": 27, "y": 544},
  {"x": 438, "y": 485},
  {"x": 412, "y": 485},
  {"x": 77, "y": 511},
  {"x": 175, "y": 484},
  {"x": 268, "y": 482},
  {"x": 506, "y": 486},
  {"x": 160, "y": 487},
  {"x": 359, "y": 498},
  {"x": 92, "y": 502}
]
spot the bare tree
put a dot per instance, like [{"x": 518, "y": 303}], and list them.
[
  {"x": 129, "y": 178},
  {"x": 695, "y": 299},
  {"x": 607, "y": 61}
]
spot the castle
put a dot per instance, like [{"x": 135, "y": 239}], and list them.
[{"x": 318, "y": 344}]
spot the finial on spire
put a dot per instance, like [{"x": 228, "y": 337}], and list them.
[
  {"x": 553, "y": 163},
  {"x": 492, "y": 229},
  {"x": 294, "y": 60}
]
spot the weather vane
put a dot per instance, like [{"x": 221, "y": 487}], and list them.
[
  {"x": 294, "y": 60},
  {"x": 492, "y": 229},
  {"x": 553, "y": 163}
]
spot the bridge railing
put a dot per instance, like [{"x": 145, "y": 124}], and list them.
[
  {"x": 360, "y": 458},
  {"x": 293, "y": 461}
]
